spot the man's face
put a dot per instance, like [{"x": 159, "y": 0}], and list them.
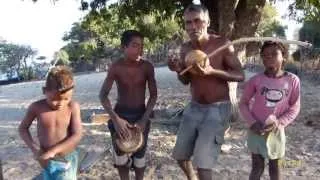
[
  {"x": 57, "y": 100},
  {"x": 133, "y": 50},
  {"x": 196, "y": 24}
]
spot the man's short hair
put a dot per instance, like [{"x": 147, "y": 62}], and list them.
[
  {"x": 197, "y": 8},
  {"x": 60, "y": 78},
  {"x": 127, "y": 36}
]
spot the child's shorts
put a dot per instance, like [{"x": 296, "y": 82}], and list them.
[
  {"x": 55, "y": 171},
  {"x": 271, "y": 146},
  {"x": 138, "y": 158}
]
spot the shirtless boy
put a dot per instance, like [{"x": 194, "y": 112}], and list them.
[
  {"x": 205, "y": 119},
  {"x": 59, "y": 128},
  {"x": 131, "y": 75}
]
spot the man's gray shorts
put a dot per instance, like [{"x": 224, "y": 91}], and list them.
[{"x": 201, "y": 133}]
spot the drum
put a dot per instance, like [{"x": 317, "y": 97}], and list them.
[{"x": 133, "y": 144}]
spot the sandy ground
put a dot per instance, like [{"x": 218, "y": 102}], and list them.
[{"x": 303, "y": 136}]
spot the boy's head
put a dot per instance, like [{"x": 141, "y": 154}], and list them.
[
  {"x": 132, "y": 44},
  {"x": 59, "y": 87},
  {"x": 273, "y": 54}
]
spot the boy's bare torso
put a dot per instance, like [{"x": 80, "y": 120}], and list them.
[
  {"x": 52, "y": 125},
  {"x": 209, "y": 89},
  {"x": 131, "y": 80}
]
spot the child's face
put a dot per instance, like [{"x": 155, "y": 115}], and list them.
[
  {"x": 57, "y": 100},
  {"x": 272, "y": 58},
  {"x": 134, "y": 49}
]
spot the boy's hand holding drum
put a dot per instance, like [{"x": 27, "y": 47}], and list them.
[{"x": 122, "y": 128}]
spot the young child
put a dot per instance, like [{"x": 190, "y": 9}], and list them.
[
  {"x": 132, "y": 75},
  {"x": 59, "y": 128},
  {"x": 270, "y": 102}
]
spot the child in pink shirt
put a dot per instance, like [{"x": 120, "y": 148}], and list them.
[{"x": 270, "y": 102}]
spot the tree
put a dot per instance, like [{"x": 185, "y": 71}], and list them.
[
  {"x": 269, "y": 25},
  {"x": 108, "y": 23},
  {"x": 310, "y": 32},
  {"x": 13, "y": 58},
  {"x": 310, "y": 10},
  {"x": 61, "y": 57}
]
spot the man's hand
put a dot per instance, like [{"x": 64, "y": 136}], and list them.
[
  {"x": 257, "y": 127},
  {"x": 122, "y": 128},
  {"x": 174, "y": 65},
  {"x": 207, "y": 70}
]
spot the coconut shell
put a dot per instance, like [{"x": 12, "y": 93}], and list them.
[
  {"x": 133, "y": 144},
  {"x": 196, "y": 57}
]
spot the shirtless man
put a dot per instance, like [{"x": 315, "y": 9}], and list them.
[
  {"x": 58, "y": 125},
  {"x": 132, "y": 75},
  {"x": 205, "y": 119}
]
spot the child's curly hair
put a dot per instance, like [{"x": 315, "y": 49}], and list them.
[
  {"x": 60, "y": 78},
  {"x": 278, "y": 45}
]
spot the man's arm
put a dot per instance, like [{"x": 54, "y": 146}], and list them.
[
  {"x": 105, "y": 90},
  {"x": 24, "y": 129},
  {"x": 185, "y": 78},
  {"x": 71, "y": 142},
  {"x": 234, "y": 72},
  {"x": 152, "y": 86},
  {"x": 177, "y": 65}
]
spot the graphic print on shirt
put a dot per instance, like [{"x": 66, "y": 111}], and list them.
[{"x": 274, "y": 95}]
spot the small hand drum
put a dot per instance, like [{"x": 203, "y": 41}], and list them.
[
  {"x": 133, "y": 144},
  {"x": 196, "y": 57}
]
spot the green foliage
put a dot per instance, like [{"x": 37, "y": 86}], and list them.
[
  {"x": 309, "y": 8},
  {"x": 151, "y": 18},
  {"x": 62, "y": 57},
  {"x": 96, "y": 39},
  {"x": 269, "y": 25}
]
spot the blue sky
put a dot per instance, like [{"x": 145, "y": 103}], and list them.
[{"x": 43, "y": 24}]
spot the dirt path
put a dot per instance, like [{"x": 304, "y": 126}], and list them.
[{"x": 302, "y": 155}]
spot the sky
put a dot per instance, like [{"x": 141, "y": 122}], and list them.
[{"x": 43, "y": 24}]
